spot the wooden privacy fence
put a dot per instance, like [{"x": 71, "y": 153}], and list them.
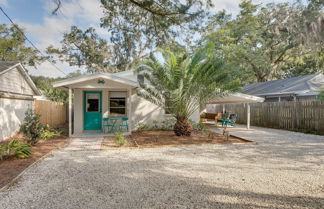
[
  {"x": 305, "y": 115},
  {"x": 51, "y": 113}
]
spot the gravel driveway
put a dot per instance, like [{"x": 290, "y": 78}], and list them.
[{"x": 284, "y": 170}]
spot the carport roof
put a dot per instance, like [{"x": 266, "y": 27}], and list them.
[{"x": 236, "y": 98}]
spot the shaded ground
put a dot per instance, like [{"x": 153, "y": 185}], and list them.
[
  {"x": 284, "y": 170},
  {"x": 146, "y": 139},
  {"x": 10, "y": 168}
]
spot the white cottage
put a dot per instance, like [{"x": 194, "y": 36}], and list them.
[
  {"x": 17, "y": 92},
  {"x": 94, "y": 98}
]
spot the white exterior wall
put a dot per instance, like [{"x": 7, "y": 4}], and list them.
[
  {"x": 13, "y": 81},
  {"x": 12, "y": 114},
  {"x": 195, "y": 116},
  {"x": 141, "y": 110},
  {"x": 78, "y": 111},
  {"x": 145, "y": 112}
]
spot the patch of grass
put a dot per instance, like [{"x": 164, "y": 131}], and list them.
[
  {"x": 142, "y": 127},
  {"x": 120, "y": 139},
  {"x": 199, "y": 127}
]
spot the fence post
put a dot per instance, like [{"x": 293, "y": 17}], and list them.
[{"x": 248, "y": 116}]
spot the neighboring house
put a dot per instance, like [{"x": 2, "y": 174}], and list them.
[
  {"x": 301, "y": 88},
  {"x": 16, "y": 96},
  {"x": 103, "y": 95}
]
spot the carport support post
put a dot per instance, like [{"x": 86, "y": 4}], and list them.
[
  {"x": 248, "y": 116},
  {"x": 70, "y": 112},
  {"x": 130, "y": 110}
]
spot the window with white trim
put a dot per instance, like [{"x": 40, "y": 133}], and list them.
[{"x": 117, "y": 104}]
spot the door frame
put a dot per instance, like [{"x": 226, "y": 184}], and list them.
[{"x": 85, "y": 106}]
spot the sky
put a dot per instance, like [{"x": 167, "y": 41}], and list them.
[{"x": 45, "y": 29}]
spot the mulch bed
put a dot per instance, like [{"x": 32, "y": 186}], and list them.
[
  {"x": 10, "y": 168},
  {"x": 147, "y": 139}
]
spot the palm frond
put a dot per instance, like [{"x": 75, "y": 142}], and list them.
[{"x": 185, "y": 82}]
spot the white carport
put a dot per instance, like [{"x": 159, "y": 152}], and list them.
[{"x": 238, "y": 98}]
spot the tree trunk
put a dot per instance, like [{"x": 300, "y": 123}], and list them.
[{"x": 182, "y": 127}]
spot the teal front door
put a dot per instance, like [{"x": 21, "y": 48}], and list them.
[{"x": 92, "y": 110}]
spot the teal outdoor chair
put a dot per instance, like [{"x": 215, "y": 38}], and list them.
[
  {"x": 230, "y": 120},
  {"x": 108, "y": 125},
  {"x": 123, "y": 125}
]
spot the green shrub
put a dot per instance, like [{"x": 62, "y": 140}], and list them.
[
  {"x": 198, "y": 127},
  {"x": 48, "y": 133},
  {"x": 168, "y": 124},
  {"x": 120, "y": 139},
  {"x": 15, "y": 148},
  {"x": 31, "y": 127},
  {"x": 321, "y": 94},
  {"x": 155, "y": 125},
  {"x": 142, "y": 127}
]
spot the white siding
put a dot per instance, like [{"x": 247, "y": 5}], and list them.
[
  {"x": 12, "y": 114},
  {"x": 195, "y": 116},
  {"x": 129, "y": 75},
  {"x": 78, "y": 111},
  {"x": 142, "y": 111},
  {"x": 13, "y": 81},
  {"x": 145, "y": 112}
]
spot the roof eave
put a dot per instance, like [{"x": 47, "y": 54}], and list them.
[{"x": 67, "y": 83}]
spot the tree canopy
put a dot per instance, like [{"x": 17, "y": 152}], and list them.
[
  {"x": 85, "y": 48},
  {"x": 53, "y": 94},
  {"x": 136, "y": 27},
  {"x": 267, "y": 42},
  {"x": 13, "y": 46}
]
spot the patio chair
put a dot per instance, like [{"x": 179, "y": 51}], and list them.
[
  {"x": 232, "y": 119},
  {"x": 229, "y": 119},
  {"x": 225, "y": 117},
  {"x": 108, "y": 125},
  {"x": 123, "y": 124}
]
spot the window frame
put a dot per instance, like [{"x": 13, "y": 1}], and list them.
[
  {"x": 110, "y": 98},
  {"x": 99, "y": 106}
]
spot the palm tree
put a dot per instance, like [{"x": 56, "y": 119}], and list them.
[{"x": 182, "y": 84}]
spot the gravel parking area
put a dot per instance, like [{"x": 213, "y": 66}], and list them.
[{"x": 284, "y": 170}]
